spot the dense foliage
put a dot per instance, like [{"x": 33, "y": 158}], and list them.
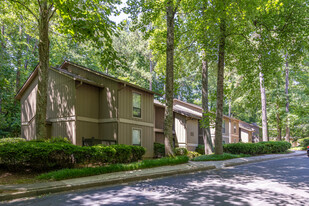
[
  {"x": 159, "y": 150},
  {"x": 257, "y": 148},
  {"x": 40, "y": 155},
  {"x": 303, "y": 142},
  {"x": 262, "y": 36}
]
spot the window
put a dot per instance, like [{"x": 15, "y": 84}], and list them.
[
  {"x": 136, "y": 137},
  {"x": 223, "y": 142},
  {"x": 223, "y": 126},
  {"x": 137, "y": 105},
  {"x": 235, "y": 128}
]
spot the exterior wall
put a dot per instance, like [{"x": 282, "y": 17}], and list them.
[
  {"x": 180, "y": 130},
  {"x": 126, "y": 105},
  {"x": 61, "y": 106},
  {"x": 87, "y": 112},
  {"x": 234, "y": 134},
  {"x": 159, "y": 117},
  {"x": 28, "y": 111},
  {"x": 159, "y": 137},
  {"x": 147, "y": 139},
  {"x": 246, "y": 136},
  {"x": 192, "y": 134}
]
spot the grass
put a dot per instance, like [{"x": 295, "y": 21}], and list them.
[
  {"x": 214, "y": 157},
  {"x": 83, "y": 172},
  {"x": 298, "y": 148},
  {"x": 19, "y": 177}
]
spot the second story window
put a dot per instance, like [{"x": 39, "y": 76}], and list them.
[
  {"x": 223, "y": 126},
  {"x": 137, "y": 105},
  {"x": 235, "y": 128}
]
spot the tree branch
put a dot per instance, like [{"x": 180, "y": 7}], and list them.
[
  {"x": 176, "y": 7},
  {"x": 52, "y": 14},
  {"x": 27, "y": 8}
]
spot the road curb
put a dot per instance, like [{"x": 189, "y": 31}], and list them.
[{"x": 63, "y": 186}]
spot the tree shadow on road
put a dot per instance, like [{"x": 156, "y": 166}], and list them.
[{"x": 267, "y": 183}]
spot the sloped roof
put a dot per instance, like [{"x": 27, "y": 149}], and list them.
[
  {"x": 65, "y": 72},
  {"x": 63, "y": 65}
]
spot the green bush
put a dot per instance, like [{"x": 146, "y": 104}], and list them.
[
  {"x": 43, "y": 155},
  {"x": 37, "y": 155},
  {"x": 159, "y": 150},
  {"x": 257, "y": 148},
  {"x": 200, "y": 149},
  {"x": 180, "y": 151},
  {"x": 303, "y": 142},
  {"x": 124, "y": 153},
  {"x": 11, "y": 140}
]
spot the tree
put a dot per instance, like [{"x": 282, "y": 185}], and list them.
[{"x": 73, "y": 19}]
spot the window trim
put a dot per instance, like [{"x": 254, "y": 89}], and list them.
[
  {"x": 223, "y": 126},
  {"x": 141, "y": 95},
  {"x": 139, "y": 129}
]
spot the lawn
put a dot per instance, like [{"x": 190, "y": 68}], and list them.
[
  {"x": 214, "y": 157},
  {"x": 89, "y": 171}
]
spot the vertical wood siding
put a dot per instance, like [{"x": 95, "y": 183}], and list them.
[
  {"x": 87, "y": 130},
  {"x": 159, "y": 117},
  {"x": 180, "y": 129},
  {"x": 61, "y": 96},
  {"x": 28, "y": 111},
  {"x": 147, "y": 139},
  {"x": 87, "y": 101},
  {"x": 126, "y": 105},
  {"x": 28, "y": 102},
  {"x": 192, "y": 134},
  {"x": 64, "y": 129}
]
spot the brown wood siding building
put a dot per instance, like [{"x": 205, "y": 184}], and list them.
[{"x": 85, "y": 103}]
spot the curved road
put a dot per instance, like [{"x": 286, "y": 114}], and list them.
[{"x": 274, "y": 182}]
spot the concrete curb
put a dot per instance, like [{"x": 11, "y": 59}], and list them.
[{"x": 126, "y": 177}]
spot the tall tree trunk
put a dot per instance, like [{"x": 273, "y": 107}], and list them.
[
  {"x": 264, "y": 114},
  {"x": 206, "y": 130},
  {"x": 220, "y": 81},
  {"x": 3, "y": 47},
  {"x": 278, "y": 123},
  {"x": 150, "y": 70},
  {"x": 230, "y": 121},
  {"x": 168, "y": 120},
  {"x": 41, "y": 100},
  {"x": 19, "y": 57},
  {"x": 287, "y": 130},
  {"x": 27, "y": 50}
]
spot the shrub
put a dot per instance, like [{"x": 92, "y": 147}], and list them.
[
  {"x": 127, "y": 153},
  {"x": 180, "y": 151},
  {"x": 37, "y": 155},
  {"x": 192, "y": 155},
  {"x": 159, "y": 150},
  {"x": 11, "y": 140},
  {"x": 257, "y": 148},
  {"x": 42, "y": 155},
  {"x": 303, "y": 142},
  {"x": 200, "y": 149}
]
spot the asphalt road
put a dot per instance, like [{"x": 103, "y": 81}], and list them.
[{"x": 274, "y": 182}]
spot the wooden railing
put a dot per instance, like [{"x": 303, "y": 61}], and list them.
[{"x": 92, "y": 141}]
